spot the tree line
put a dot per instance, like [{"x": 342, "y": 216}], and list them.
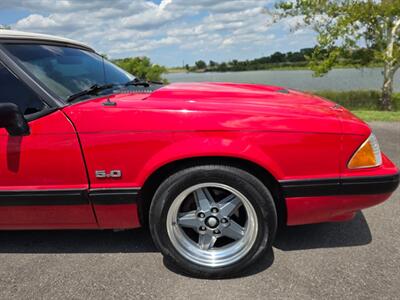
[{"x": 356, "y": 57}]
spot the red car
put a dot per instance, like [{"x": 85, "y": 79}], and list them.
[{"x": 212, "y": 168}]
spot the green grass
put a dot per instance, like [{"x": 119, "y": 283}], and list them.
[
  {"x": 359, "y": 100},
  {"x": 364, "y": 104},
  {"x": 371, "y": 115}
]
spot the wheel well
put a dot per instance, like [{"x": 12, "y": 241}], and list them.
[{"x": 153, "y": 182}]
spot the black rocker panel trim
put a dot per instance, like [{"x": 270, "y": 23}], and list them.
[
  {"x": 340, "y": 186},
  {"x": 68, "y": 197},
  {"x": 43, "y": 198},
  {"x": 114, "y": 197}
]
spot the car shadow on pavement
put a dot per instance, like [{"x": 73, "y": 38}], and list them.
[
  {"x": 327, "y": 235},
  {"x": 77, "y": 241},
  {"x": 355, "y": 232}
]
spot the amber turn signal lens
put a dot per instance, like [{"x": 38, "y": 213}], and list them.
[{"x": 367, "y": 156}]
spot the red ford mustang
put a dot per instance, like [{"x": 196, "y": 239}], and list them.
[{"x": 212, "y": 168}]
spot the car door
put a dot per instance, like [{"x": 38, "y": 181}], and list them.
[{"x": 43, "y": 180}]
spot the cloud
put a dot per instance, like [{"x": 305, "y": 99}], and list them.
[{"x": 144, "y": 27}]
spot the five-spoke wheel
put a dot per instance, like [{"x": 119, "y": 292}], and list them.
[
  {"x": 212, "y": 221},
  {"x": 212, "y": 216}
]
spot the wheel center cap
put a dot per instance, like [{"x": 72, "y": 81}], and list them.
[{"x": 212, "y": 222}]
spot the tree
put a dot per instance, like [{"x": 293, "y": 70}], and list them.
[
  {"x": 277, "y": 57},
  {"x": 142, "y": 68},
  {"x": 344, "y": 25},
  {"x": 212, "y": 64},
  {"x": 5, "y": 27},
  {"x": 200, "y": 64},
  {"x": 223, "y": 67}
]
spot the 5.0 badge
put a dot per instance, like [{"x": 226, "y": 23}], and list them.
[{"x": 111, "y": 174}]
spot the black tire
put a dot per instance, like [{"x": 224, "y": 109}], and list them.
[{"x": 252, "y": 188}]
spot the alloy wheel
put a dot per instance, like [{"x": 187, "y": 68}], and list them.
[{"x": 212, "y": 224}]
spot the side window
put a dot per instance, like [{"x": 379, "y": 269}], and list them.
[{"x": 15, "y": 91}]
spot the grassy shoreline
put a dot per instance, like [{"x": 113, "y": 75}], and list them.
[
  {"x": 364, "y": 104},
  {"x": 367, "y": 100}
]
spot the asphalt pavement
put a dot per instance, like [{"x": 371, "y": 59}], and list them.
[{"x": 359, "y": 259}]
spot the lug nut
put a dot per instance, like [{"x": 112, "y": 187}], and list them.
[
  {"x": 201, "y": 215},
  {"x": 216, "y": 231},
  {"x": 202, "y": 228},
  {"x": 214, "y": 210},
  {"x": 224, "y": 221}
]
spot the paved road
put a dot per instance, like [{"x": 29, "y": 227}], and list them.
[{"x": 357, "y": 259}]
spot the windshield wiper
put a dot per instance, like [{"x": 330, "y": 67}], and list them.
[
  {"x": 92, "y": 90},
  {"x": 145, "y": 83}
]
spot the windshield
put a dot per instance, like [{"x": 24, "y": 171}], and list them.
[{"x": 65, "y": 70}]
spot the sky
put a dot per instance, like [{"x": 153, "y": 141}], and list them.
[{"x": 170, "y": 32}]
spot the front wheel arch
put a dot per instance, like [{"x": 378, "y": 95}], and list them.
[{"x": 158, "y": 176}]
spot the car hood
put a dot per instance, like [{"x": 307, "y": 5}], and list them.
[
  {"x": 216, "y": 106},
  {"x": 239, "y": 94}
]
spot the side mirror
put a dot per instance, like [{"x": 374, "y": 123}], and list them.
[{"x": 12, "y": 119}]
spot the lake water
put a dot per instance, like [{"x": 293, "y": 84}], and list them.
[{"x": 337, "y": 79}]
